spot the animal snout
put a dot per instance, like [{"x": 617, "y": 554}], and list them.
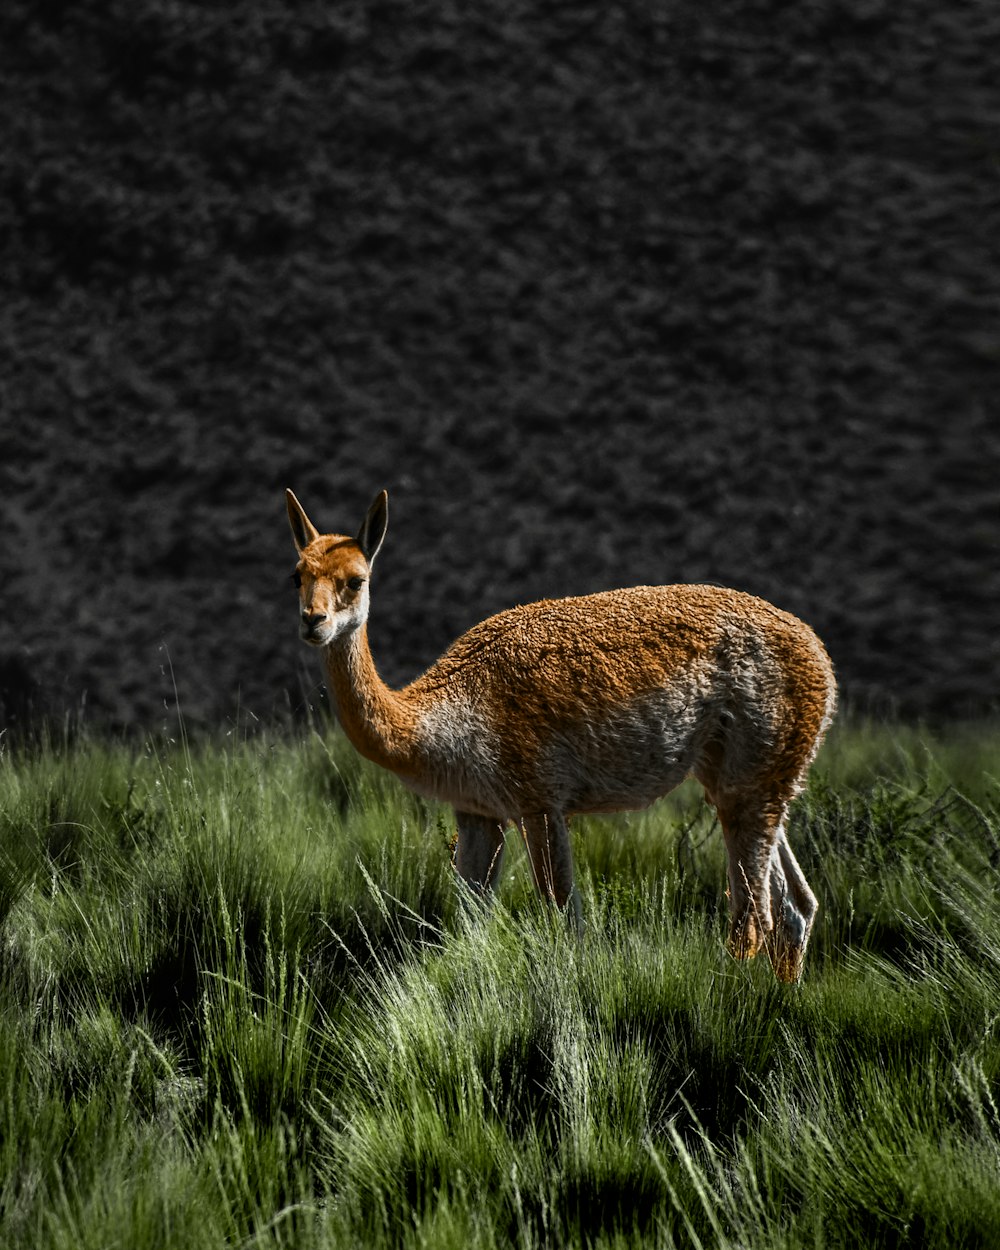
[{"x": 312, "y": 620}]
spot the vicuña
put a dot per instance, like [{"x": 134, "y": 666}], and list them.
[{"x": 600, "y": 703}]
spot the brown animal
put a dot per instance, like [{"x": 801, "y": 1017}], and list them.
[{"x": 595, "y": 704}]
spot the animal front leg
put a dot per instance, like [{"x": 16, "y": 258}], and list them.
[
  {"x": 546, "y": 837},
  {"x": 478, "y": 851}
]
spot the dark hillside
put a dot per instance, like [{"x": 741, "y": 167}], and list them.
[{"x": 602, "y": 293}]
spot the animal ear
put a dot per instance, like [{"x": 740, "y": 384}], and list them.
[
  {"x": 303, "y": 530},
  {"x": 373, "y": 527}
]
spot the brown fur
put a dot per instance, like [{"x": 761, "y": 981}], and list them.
[{"x": 591, "y": 704}]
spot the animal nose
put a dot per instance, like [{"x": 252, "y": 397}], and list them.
[{"x": 312, "y": 619}]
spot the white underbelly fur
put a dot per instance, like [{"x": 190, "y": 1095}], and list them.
[{"x": 621, "y": 762}]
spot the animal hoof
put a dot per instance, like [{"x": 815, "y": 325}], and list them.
[
  {"x": 745, "y": 938},
  {"x": 786, "y": 960}
]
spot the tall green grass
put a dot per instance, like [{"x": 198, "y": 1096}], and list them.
[{"x": 242, "y": 1005}]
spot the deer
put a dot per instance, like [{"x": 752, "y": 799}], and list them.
[{"x": 592, "y": 704}]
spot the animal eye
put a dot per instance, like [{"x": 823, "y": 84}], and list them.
[
  {"x": 297, "y": 579},
  {"x": 355, "y": 583}
]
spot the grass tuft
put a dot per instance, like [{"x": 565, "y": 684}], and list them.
[{"x": 244, "y": 1004}]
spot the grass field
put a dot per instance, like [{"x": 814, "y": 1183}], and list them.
[{"x": 242, "y": 1006}]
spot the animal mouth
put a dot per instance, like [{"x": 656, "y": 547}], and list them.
[{"x": 314, "y": 636}]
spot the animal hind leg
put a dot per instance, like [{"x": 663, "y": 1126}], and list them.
[
  {"x": 793, "y": 906},
  {"x": 750, "y": 828},
  {"x": 546, "y": 837}
]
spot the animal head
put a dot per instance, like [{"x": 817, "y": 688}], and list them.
[{"x": 333, "y": 572}]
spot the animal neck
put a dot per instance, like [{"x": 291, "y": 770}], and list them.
[{"x": 381, "y": 723}]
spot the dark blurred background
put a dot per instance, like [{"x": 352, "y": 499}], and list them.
[{"x": 602, "y": 293}]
